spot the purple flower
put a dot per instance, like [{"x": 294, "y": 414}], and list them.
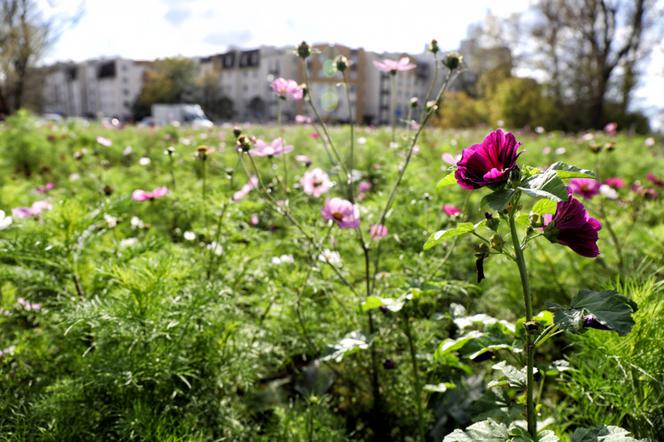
[
  {"x": 142, "y": 195},
  {"x": 394, "y": 66},
  {"x": 586, "y": 187},
  {"x": 377, "y": 231},
  {"x": 45, "y": 188},
  {"x": 573, "y": 227},
  {"x": 274, "y": 149},
  {"x": 344, "y": 213},
  {"x": 451, "y": 210},
  {"x": 489, "y": 163},
  {"x": 615, "y": 182},
  {"x": 35, "y": 210},
  {"x": 655, "y": 180},
  {"x": 611, "y": 129}
]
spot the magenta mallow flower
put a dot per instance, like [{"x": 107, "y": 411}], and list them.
[
  {"x": 29, "y": 212},
  {"x": 655, "y": 180},
  {"x": 573, "y": 227},
  {"x": 315, "y": 182},
  {"x": 586, "y": 187},
  {"x": 451, "y": 210},
  {"x": 615, "y": 182},
  {"x": 344, "y": 213},
  {"x": 394, "y": 66},
  {"x": 489, "y": 163},
  {"x": 45, "y": 188},
  {"x": 273, "y": 149},
  {"x": 377, "y": 231},
  {"x": 287, "y": 89},
  {"x": 248, "y": 187},
  {"x": 142, "y": 195}
]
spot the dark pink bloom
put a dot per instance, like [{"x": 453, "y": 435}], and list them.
[
  {"x": 394, "y": 66},
  {"x": 314, "y": 135},
  {"x": 615, "y": 182},
  {"x": 45, "y": 188},
  {"x": 489, "y": 163},
  {"x": 287, "y": 89},
  {"x": 142, "y": 195},
  {"x": 451, "y": 210},
  {"x": 655, "y": 180},
  {"x": 586, "y": 187},
  {"x": 315, "y": 182},
  {"x": 611, "y": 129},
  {"x": 248, "y": 187},
  {"x": 377, "y": 231},
  {"x": 573, "y": 227},
  {"x": 274, "y": 149},
  {"x": 649, "y": 194},
  {"x": 344, "y": 213}
]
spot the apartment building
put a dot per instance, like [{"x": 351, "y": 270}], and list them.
[{"x": 93, "y": 88}]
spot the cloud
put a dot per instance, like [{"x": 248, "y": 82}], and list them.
[
  {"x": 237, "y": 38},
  {"x": 177, "y": 15}
]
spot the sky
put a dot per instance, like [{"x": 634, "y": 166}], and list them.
[{"x": 149, "y": 29}]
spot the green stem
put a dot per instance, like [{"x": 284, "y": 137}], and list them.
[
  {"x": 416, "y": 377},
  {"x": 393, "y": 102},
  {"x": 351, "y": 195},
  {"x": 172, "y": 171},
  {"x": 529, "y": 347},
  {"x": 281, "y": 134},
  {"x": 609, "y": 227},
  {"x": 375, "y": 382}
]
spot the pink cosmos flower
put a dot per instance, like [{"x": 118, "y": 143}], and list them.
[
  {"x": 344, "y": 213},
  {"x": 451, "y": 210},
  {"x": 274, "y": 149},
  {"x": 254, "y": 219},
  {"x": 586, "y": 187},
  {"x": 315, "y": 182},
  {"x": 305, "y": 160},
  {"x": 394, "y": 66},
  {"x": 573, "y": 227},
  {"x": 615, "y": 182},
  {"x": 314, "y": 135},
  {"x": 655, "y": 180},
  {"x": 104, "y": 141},
  {"x": 45, "y": 188},
  {"x": 364, "y": 186},
  {"x": 377, "y": 231},
  {"x": 287, "y": 89},
  {"x": 489, "y": 163},
  {"x": 611, "y": 129},
  {"x": 27, "y": 305},
  {"x": 303, "y": 119},
  {"x": 451, "y": 159},
  {"x": 29, "y": 212},
  {"x": 142, "y": 195},
  {"x": 248, "y": 187}
]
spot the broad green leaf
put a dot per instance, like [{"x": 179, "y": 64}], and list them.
[
  {"x": 351, "y": 343},
  {"x": 438, "y": 388},
  {"x": 372, "y": 303},
  {"x": 448, "y": 180},
  {"x": 545, "y": 185},
  {"x": 489, "y": 348},
  {"x": 610, "y": 309},
  {"x": 544, "y": 206},
  {"x": 499, "y": 199},
  {"x": 603, "y": 433},
  {"x": 523, "y": 219},
  {"x": 451, "y": 345},
  {"x": 442, "y": 235},
  {"x": 564, "y": 171},
  {"x": 514, "y": 376},
  {"x": 483, "y": 431}
]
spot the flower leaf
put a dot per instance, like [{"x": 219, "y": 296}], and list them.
[
  {"x": 450, "y": 345},
  {"x": 545, "y": 185},
  {"x": 499, "y": 199},
  {"x": 564, "y": 170},
  {"x": 483, "y": 431},
  {"x": 544, "y": 206},
  {"x": 604, "y": 433},
  {"x": 607, "y": 310},
  {"x": 448, "y": 180},
  {"x": 442, "y": 235}
]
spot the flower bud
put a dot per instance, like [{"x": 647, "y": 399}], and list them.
[
  {"x": 497, "y": 242},
  {"x": 453, "y": 60},
  {"x": 170, "y": 150},
  {"x": 202, "y": 151},
  {"x": 237, "y": 131},
  {"x": 431, "y": 106},
  {"x": 229, "y": 172},
  {"x": 243, "y": 143},
  {"x": 433, "y": 46},
  {"x": 414, "y": 102},
  {"x": 610, "y": 146},
  {"x": 341, "y": 63},
  {"x": 304, "y": 50},
  {"x": 536, "y": 220},
  {"x": 492, "y": 222},
  {"x": 595, "y": 148}
]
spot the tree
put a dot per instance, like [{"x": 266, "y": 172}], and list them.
[
  {"x": 169, "y": 80},
  {"x": 211, "y": 98},
  {"x": 591, "y": 50},
  {"x": 25, "y": 34}
]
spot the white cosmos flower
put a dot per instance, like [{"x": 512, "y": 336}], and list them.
[
  {"x": 129, "y": 242},
  {"x": 111, "y": 221},
  {"x": 331, "y": 257},
  {"x": 136, "y": 223},
  {"x": 608, "y": 192},
  {"x": 144, "y": 161},
  {"x": 189, "y": 235},
  {"x": 5, "y": 221},
  {"x": 216, "y": 248}
]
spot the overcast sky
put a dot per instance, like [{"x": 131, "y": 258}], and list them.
[{"x": 148, "y": 29}]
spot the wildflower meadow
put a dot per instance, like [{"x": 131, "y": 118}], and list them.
[{"x": 318, "y": 282}]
